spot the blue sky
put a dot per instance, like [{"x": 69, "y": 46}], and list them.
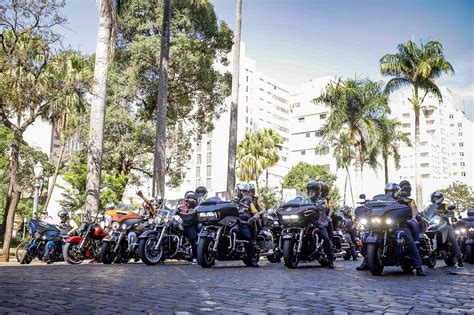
[{"x": 296, "y": 40}]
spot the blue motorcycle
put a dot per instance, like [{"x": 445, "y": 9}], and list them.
[{"x": 46, "y": 243}]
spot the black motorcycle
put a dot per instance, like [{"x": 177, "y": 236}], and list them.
[
  {"x": 268, "y": 238},
  {"x": 341, "y": 245},
  {"x": 301, "y": 238},
  {"x": 464, "y": 230},
  {"x": 165, "y": 240},
  {"x": 219, "y": 238},
  {"x": 387, "y": 245}
]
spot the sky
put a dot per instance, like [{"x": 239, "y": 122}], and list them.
[{"x": 294, "y": 41}]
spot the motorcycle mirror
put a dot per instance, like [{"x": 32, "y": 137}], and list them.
[
  {"x": 362, "y": 196},
  {"x": 451, "y": 207}
]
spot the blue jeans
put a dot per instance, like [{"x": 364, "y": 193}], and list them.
[
  {"x": 414, "y": 229},
  {"x": 247, "y": 234},
  {"x": 191, "y": 233},
  {"x": 414, "y": 254},
  {"x": 327, "y": 244}
]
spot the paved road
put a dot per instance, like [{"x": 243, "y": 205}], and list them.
[{"x": 231, "y": 288}]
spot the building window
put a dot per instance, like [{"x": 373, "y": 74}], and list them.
[
  {"x": 407, "y": 115},
  {"x": 246, "y": 89},
  {"x": 209, "y": 146},
  {"x": 247, "y": 79},
  {"x": 246, "y": 120},
  {"x": 425, "y": 164},
  {"x": 451, "y": 125},
  {"x": 208, "y": 183},
  {"x": 425, "y": 176},
  {"x": 198, "y": 159},
  {"x": 461, "y": 153},
  {"x": 199, "y": 146},
  {"x": 451, "y": 116},
  {"x": 209, "y": 171},
  {"x": 463, "y": 174},
  {"x": 459, "y": 134},
  {"x": 430, "y": 122},
  {"x": 303, "y": 152},
  {"x": 198, "y": 171},
  {"x": 318, "y": 133},
  {"x": 301, "y": 119},
  {"x": 406, "y": 125},
  {"x": 322, "y": 116},
  {"x": 459, "y": 124},
  {"x": 461, "y": 144},
  {"x": 463, "y": 164},
  {"x": 308, "y": 135}
]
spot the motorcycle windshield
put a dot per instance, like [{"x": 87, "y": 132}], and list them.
[{"x": 430, "y": 211}]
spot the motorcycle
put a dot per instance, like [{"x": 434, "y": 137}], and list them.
[
  {"x": 165, "y": 240},
  {"x": 85, "y": 245},
  {"x": 121, "y": 244},
  {"x": 341, "y": 245},
  {"x": 219, "y": 236},
  {"x": 46, "y": 243},
  {"x": 437, "y": 229},
  {"x": 387, "y": 245},
  {"x": 301, "y": 239},
  {"x": 464, "y": 230},
  {"x": 268, "y": 239}
]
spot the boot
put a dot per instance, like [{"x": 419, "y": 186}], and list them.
[
  {"x": 354, "y": 258},
  {"x": 460, "y": 263},
  {"x": 420, "y": 272},
  {"x": 331, "y": 265},
  {"x": 363, "y": 266},
  {"x": 254, "y": 263}
]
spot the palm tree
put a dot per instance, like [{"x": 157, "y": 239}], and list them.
[
  {"x": 234, "y": 102},
  {"x": 162, "y": 105},
  {"x": 390, "y": 139},
  {"x": 344, "y": 155},
  {"x": 257, "y": 152},
  {"x": 357, "y": 107},
  {"x": 417, "y": 66}
]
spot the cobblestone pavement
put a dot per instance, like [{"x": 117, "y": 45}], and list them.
[{"x": 231, "y": 288}]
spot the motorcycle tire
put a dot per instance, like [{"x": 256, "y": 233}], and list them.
[
  {"x": 470, "y": 253},
  {"x": 205, "y": 256},
  {"x": 274, "y": 258},
  {"x": 68, "y": 254},
  {"x": 347, "y": 256},
  {"x": 290, "y": 256},
  {"x": 106, "y": 255},
  {"x": 148, "y": 254},
  {"x": 375, "y": 266},
  {"x": 450, "y": 261},
  {"x": 20, "y": 248},
  {"x": 26, "y": 258},
  {"x": 431, "y": 261}
]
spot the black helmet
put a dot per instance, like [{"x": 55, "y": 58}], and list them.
[
  {"x": 391, "y": 189},
  {"x": 324, "y": 190},
  {"x": 201, "y": 191},
  {"x": 346, "y": 210},
  {"x": 63, "y": 214},
  {"x": 191, "y": 199},
  {"x": 315, "y": 186},
  {"x": 405, "y": 188},
  {"x": 252, "y": 188},
  {"x": 437, "y": 197}
]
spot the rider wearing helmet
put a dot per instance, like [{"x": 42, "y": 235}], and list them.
[
  {"x": 437, "y": 198},
  {"x": 201, "y": 191},
  {"x": 258, "y": 204},
  {"x": 247, "y": 218},
  {"x": 67, "y": 224},
  {"x": 391, "y": 189},
  {"x": 190, "y": 222},
  {"x": 350, "y": 229},
  {"x": 315, "y": 192}
]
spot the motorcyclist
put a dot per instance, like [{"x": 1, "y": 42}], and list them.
[
  {"x": 329, "y": 208},
  {"x": 392, "y": 189},
  {"x": 190, "y": 221},
  {"x": 258, "y": 204},
  {"x": 67, "y": 224},
  {"x": 350, "y": 229},
  {"x": 247, "y": 218},
  {"x": 314, "y": 190},
  {"x": 437, "y": 198},
  {"x": 201, "y": 191}
]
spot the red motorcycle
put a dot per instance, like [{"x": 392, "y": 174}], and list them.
[{"x": 85, "y": 245}]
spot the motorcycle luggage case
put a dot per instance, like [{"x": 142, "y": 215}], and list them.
[
  {"x": 297, "y": 207},
  {"x": 223, "y": 208}
]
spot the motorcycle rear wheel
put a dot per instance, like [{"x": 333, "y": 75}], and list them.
[
  {"x": 290, "y": 255},
  {"x": 205, "y": 256},
  {"x": 274, "y": 258},
  {"x": 70, "y": 254},
  {"x": 450, "y": 261},
  {"x": 147, "y": 252},
  {"x": 26, "y": 258},
  {"x": 375, "y": 266},
  {"x": 106, "y": 254},
  {"x": 470, "y": 253}
]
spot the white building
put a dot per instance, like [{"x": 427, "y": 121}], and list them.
[{"x": 263, "y": 103}]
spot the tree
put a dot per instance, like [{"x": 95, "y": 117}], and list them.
[
  {"x": 28, "y": 62},
  {"x": 416, "y": 66},
  {"x": 344, "y": 154},
  {"x": 302, "y": 173},
  {"x": 460, "y": 195},
  {"x": 390, "y": 139},
  {"x": 234, "y": 106},
  {"x": 257, "y": 152},
  {"x": 271, "y": 197},
  {"x": 356, "y": 106}
]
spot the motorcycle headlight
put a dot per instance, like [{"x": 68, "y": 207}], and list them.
[
  {"x": 457, "y": 232},
  {"x": 124, "y": 226},
  {"x": 388, "y": 221},
  {"x": 363, "y": 221},
  {"x": 43, "y": 237},
  {"x": 376, "y": 220},
  {"x": 115, "y": 225},
  {"x": 276, "y": 223},
  {"x": 37, "y": 235},
  {"x": 150, "y": 221},
  {"x": 463, "y": 230},
  {"x": 289, "y": 217}
]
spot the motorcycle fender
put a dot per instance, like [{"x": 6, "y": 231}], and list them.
[
  {"x": 149, "y": 233},
  {"x": 74, "y": 239},
  {"x": 372, "y": 240},
  {"x": 110, "y": 238},
  {"x": 288, "y": 236},
  {"x": 205, "y": 233}
]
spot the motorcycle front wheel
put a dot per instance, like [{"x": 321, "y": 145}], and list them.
[
  {"x": 107, "y": 256},
  {"x": 26, "y": 257},
  {"x": 19, "y": 250},
  {"x": 205, "y": 255},
  {"x": 373, "y": 256},
  {"x": 72, "y": 254},
  {"x": 290, "y": 254},
  {"x": 148, "y": 254}
]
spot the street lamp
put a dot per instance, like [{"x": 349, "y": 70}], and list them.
[{"x": 38, "y": 171}]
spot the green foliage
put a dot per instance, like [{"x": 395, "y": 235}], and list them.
[
  {"x": 460, "y": 195},
  {"x": 74, "y": 197},
  {"x": 302, "y": 173},
  {"x": 271, "y": 197},
  {"x": 256, "y": 152}
]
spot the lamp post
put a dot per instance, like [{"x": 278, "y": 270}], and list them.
[{"x": 38, "y": 171}]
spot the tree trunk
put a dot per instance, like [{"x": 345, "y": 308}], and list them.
[
  {"x": 345, "y": 190},
  {"x": 358, "y": 161},
  {"x": 234, "y": 103},
  {"x": 8, "y": 199},
  {"x": 266, "y": 178},
  {"x": 14, "y": 169},
  {"x": 99, "y": 102},
  {"x": 350, "y": 186},
  {"x": 385, "y": 165},
  {"x": 416, "y": 106},
  {"x": 162, "y": 106}
]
